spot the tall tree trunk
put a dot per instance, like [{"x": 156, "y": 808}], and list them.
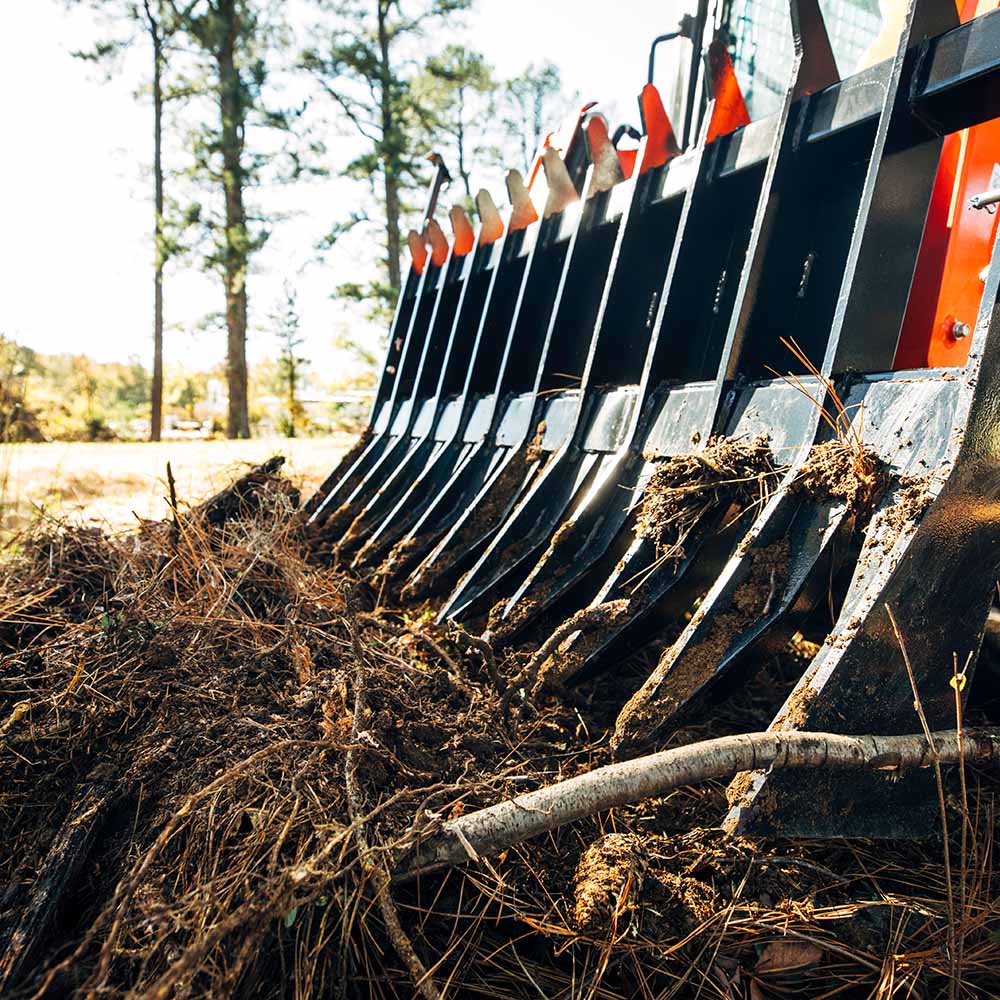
[
  {"x": 389, "y": 152},
  {"x": 156, "y": 389},
  {"x": 463, "y": 172},
  {"x": 236, "y": 244}
]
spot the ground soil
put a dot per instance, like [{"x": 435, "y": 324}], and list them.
[{"x": 210, "y": 739}]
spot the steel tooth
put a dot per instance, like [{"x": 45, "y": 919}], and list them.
[
  {"x": 562, "y": 193},
  {"x": 607, "y": 167},
  {"x": 435, "y": 236},
  {"x": 523, "y": 212},
  {"x": 356, "y": 463},
  {"x": 461, "y": 227},
  {"x": 418, "y": 250},
  {"x": 812, "y": 44},
  {"x": 490, "y": 221}
]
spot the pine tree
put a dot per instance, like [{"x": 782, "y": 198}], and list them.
[
  {"x": 291, "y": 365},
  {"x": 153, "y": 21},
  {"x": 360, "y": 66}
]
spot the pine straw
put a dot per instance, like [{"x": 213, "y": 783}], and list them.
[
  {"x": 726, "y": 473},
  {"x": 177, "y": 710}
]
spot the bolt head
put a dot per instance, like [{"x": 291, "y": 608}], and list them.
[{"x": 959, "y": 330}]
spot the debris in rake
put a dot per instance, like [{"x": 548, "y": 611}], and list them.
[
  {"x": 910, "y": 499},
  {"x": 728, "y": 471},
  {"x": 840, "y": 471}
]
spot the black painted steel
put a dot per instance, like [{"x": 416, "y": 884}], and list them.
[
  {"x": 711, "y": 286},
  {"x": 416, "y": 288},
  {"x": 680, "y": 678},
  {"x": 936, "y": 574}
]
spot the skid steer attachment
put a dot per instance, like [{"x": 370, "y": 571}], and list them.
[{"x": 583, "y": 428}]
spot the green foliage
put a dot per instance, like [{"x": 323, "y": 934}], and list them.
[
  {"x": 18, "y": 421},
  {"x": 533, "y": 103},
  {"x": 362, "y": 62},
  {"x": 455, "y": 96},
  {"x": 290, "y": 369}
]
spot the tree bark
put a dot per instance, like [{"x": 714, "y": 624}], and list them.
[
  {"x": 492, "y": 830},
  {"x": 156, "y": 389},
  {"x": 388, "y": 152},
  {"x": 235, "y": 247}
]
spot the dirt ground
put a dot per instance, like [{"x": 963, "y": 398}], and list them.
[{"x": 114, "y": 483}]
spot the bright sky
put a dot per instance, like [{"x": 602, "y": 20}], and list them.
[{"x": 75, "y": 251}]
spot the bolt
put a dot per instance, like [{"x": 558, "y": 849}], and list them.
[{"x": 959, "y": 329}]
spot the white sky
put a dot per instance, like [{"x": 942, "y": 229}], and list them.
[{"x": 75, "y": 204}]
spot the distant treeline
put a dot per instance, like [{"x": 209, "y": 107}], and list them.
[{"x": 243, "y": 96}]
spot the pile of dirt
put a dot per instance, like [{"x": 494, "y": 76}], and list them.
[
  {"x": 728, "y": 471},
  {"x": 843, "y": 472},
  {"x": 211, "y": 743}
]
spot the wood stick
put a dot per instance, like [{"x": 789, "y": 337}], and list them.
[{"x": 492, "y": 830}]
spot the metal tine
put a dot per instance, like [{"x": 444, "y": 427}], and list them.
[
  {"x": 569, "y": 467},
  {"x": 524, "y": 214},
  {"x": 859, "y": 673},
  {"x": 527, "y": 358},
  {"x": 429, "y": 327},
  {"x": 806, "y": 530},
  {"x": 479, "y": 373},
  {"x": 415, "y": 288},
  {"x": 461, "y": 343},
  {"x": 635, "y": 577},
  {"x": 600, "y": 512}
]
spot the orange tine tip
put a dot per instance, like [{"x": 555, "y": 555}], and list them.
[
  {"x": 438, "y": 241},
  {"x": 490, "y": 223},
  {"x": 562, "y": 193},
  {"x": 523, "y": 212},
  {"x": 418, "y": 250},
  {"x": 607, "y": 167},
  {"x": 465, "y": 237},
  {"x": 661, "y": 143}
]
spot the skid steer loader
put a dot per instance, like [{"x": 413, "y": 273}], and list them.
[{"x": 814, "y": 292}]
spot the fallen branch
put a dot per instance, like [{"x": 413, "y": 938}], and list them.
[{"x": 492, "y": 830}]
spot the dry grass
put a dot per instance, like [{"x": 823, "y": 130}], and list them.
[
  {"x": 112, "y": 484},
  {"x": 209, "y": 742}
]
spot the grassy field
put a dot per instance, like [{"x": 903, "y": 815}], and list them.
[{"x": 113, "y": 484}]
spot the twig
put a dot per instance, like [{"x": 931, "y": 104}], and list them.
[
  {"x": 958, "y": 683},
  {"x": 918, "y": 705},
  {"x": 489, "y": 659},
  {"x": 492, "y": 830},
  {"x": 375, "y": 867},
  {"x": 175, "y": 526}
]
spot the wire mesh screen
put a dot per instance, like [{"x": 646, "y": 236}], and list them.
[{"x": 762, "y": 35}]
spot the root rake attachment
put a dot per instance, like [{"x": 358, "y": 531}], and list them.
[{"x": 569, "y": 367}]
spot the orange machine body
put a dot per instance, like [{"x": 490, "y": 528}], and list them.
[{"x": 947, "y": 288}]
